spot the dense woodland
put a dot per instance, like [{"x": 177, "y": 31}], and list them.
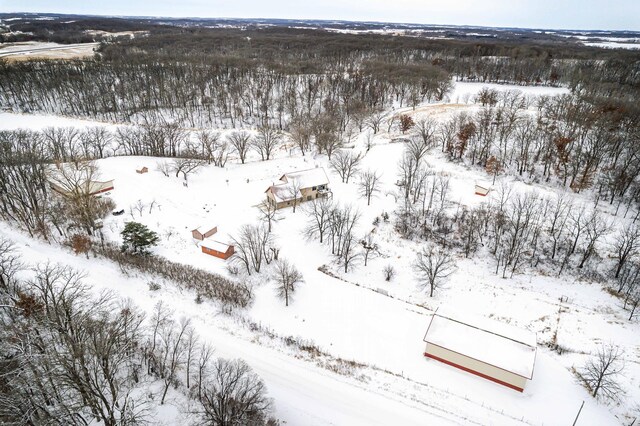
[{"x": 243, "y": 77}]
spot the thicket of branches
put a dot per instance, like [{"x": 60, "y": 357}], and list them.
[
  {"x": 231, "y": 294},
  {"x": 70, "y": 357}
]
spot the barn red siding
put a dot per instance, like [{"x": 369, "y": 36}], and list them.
[
  {"x": 477, "y": 373},
  {"x": 218, "y": 254}
]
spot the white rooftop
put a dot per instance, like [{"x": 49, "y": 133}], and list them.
[
  {"x": 285, "y": 192},
  {"x": 215, "y": 245},
  {"x": 307, "y": 178},
  {"x": 203, "y": 229},
  {"x": 501, "y": 345}
]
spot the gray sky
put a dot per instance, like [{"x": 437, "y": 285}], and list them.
[{"x": 558, "y": 14}]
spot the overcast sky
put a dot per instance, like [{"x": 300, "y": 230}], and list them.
[{"x": 556, "y": 14}]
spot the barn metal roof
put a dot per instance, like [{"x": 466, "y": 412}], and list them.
[{"x": 500, "y": 345}]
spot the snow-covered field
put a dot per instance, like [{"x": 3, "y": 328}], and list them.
[
  {"x": 347, "y": 317},
  {"x": 612, "y": 45},
  {"x": 36, "y": 49}
]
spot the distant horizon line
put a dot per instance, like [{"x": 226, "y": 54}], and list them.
[{"x": 472, "y": 26}]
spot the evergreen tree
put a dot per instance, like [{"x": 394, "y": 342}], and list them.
[{"x": 137, "y": 238}]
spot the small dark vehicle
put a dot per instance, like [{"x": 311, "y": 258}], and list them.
[{"x": 118, "y": 212}]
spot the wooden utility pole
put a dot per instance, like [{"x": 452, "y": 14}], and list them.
[{"x": 576, "y": 420}]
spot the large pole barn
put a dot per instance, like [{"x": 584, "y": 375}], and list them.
[{"x": 489, "y": 349}]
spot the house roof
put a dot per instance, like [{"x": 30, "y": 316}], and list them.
[
  {"x": 215, "y": 245},
  {"x": 483, "y": 184},
  {"x": 302, "y": 179},
  {"x": 203, "y": 229},
  {"x": 307, "y": 178},
  {"x": 91, "y": 187},
  {"x": 500, "y": 345},
  {"x": 284, "y": 192}
]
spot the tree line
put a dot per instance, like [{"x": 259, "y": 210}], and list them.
[
  {"x": 551, "y": 234},
  {"x": 566, "y": 140}
]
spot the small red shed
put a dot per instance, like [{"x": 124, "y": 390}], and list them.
[
  {"x": 482, "y": 188},
  {"x": 218, "y": 249}
]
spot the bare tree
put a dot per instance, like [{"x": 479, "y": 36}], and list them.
[
  {"x": 252, "y": 247},
  {"x": 559, "y": 211},
  {"x": 287, "y": 277},
  {"x": 319, "y": 212},
  {"x": 626, "y": 244},
  {"x": 268, "y": 213},
  {"x": 389, "y": 272},
  {"x": 186, "y": 165},
  {"x": 10, "y": 264},
  {"x": 426, "y": 130},
  {"x": 209, "y": 144},
  {"x": 410, "y": 172},
  {"x": 345, "y": 164},
  {"x": 300, "y": 133},
  {"x": 95, "y": 141},
  {"x": 266, "y": 141},
  {"x": 595, "y": 229},
  {"x": 240, "y": 141},
  {"x": 220, "y": 154},
  {"x": 191, "y": 349},
  {"x": 63, "y": 143},
  {"x": 233, "y": 395},
  {"x": 369, "y": 184},
  {"x": 164, "y": 167},
  {"x": 368, "y": 140},
  {"x": 375, "y": 121},
  {"x": 173, "y": 137},
  {"x": 601, "y": 372},
  {"x": 325, "y": 129},
  {"x": 471, "y": 224},
  {"x": 293, "y": 193},
  {"x": 76, "y": 184},
  {"x": 204, "y": 357},
  {"x": 433, "y": 265},
  {"x": 369, "y": 246},
  {"x": 171, "y": 353},
  {"x": 577, "y": 223},
  {"x": 342, "y": 225},
  {"x": 630, "y": 283},
  {"x": 447, "y": 134},
  {"x": 348, "y": 252}
]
